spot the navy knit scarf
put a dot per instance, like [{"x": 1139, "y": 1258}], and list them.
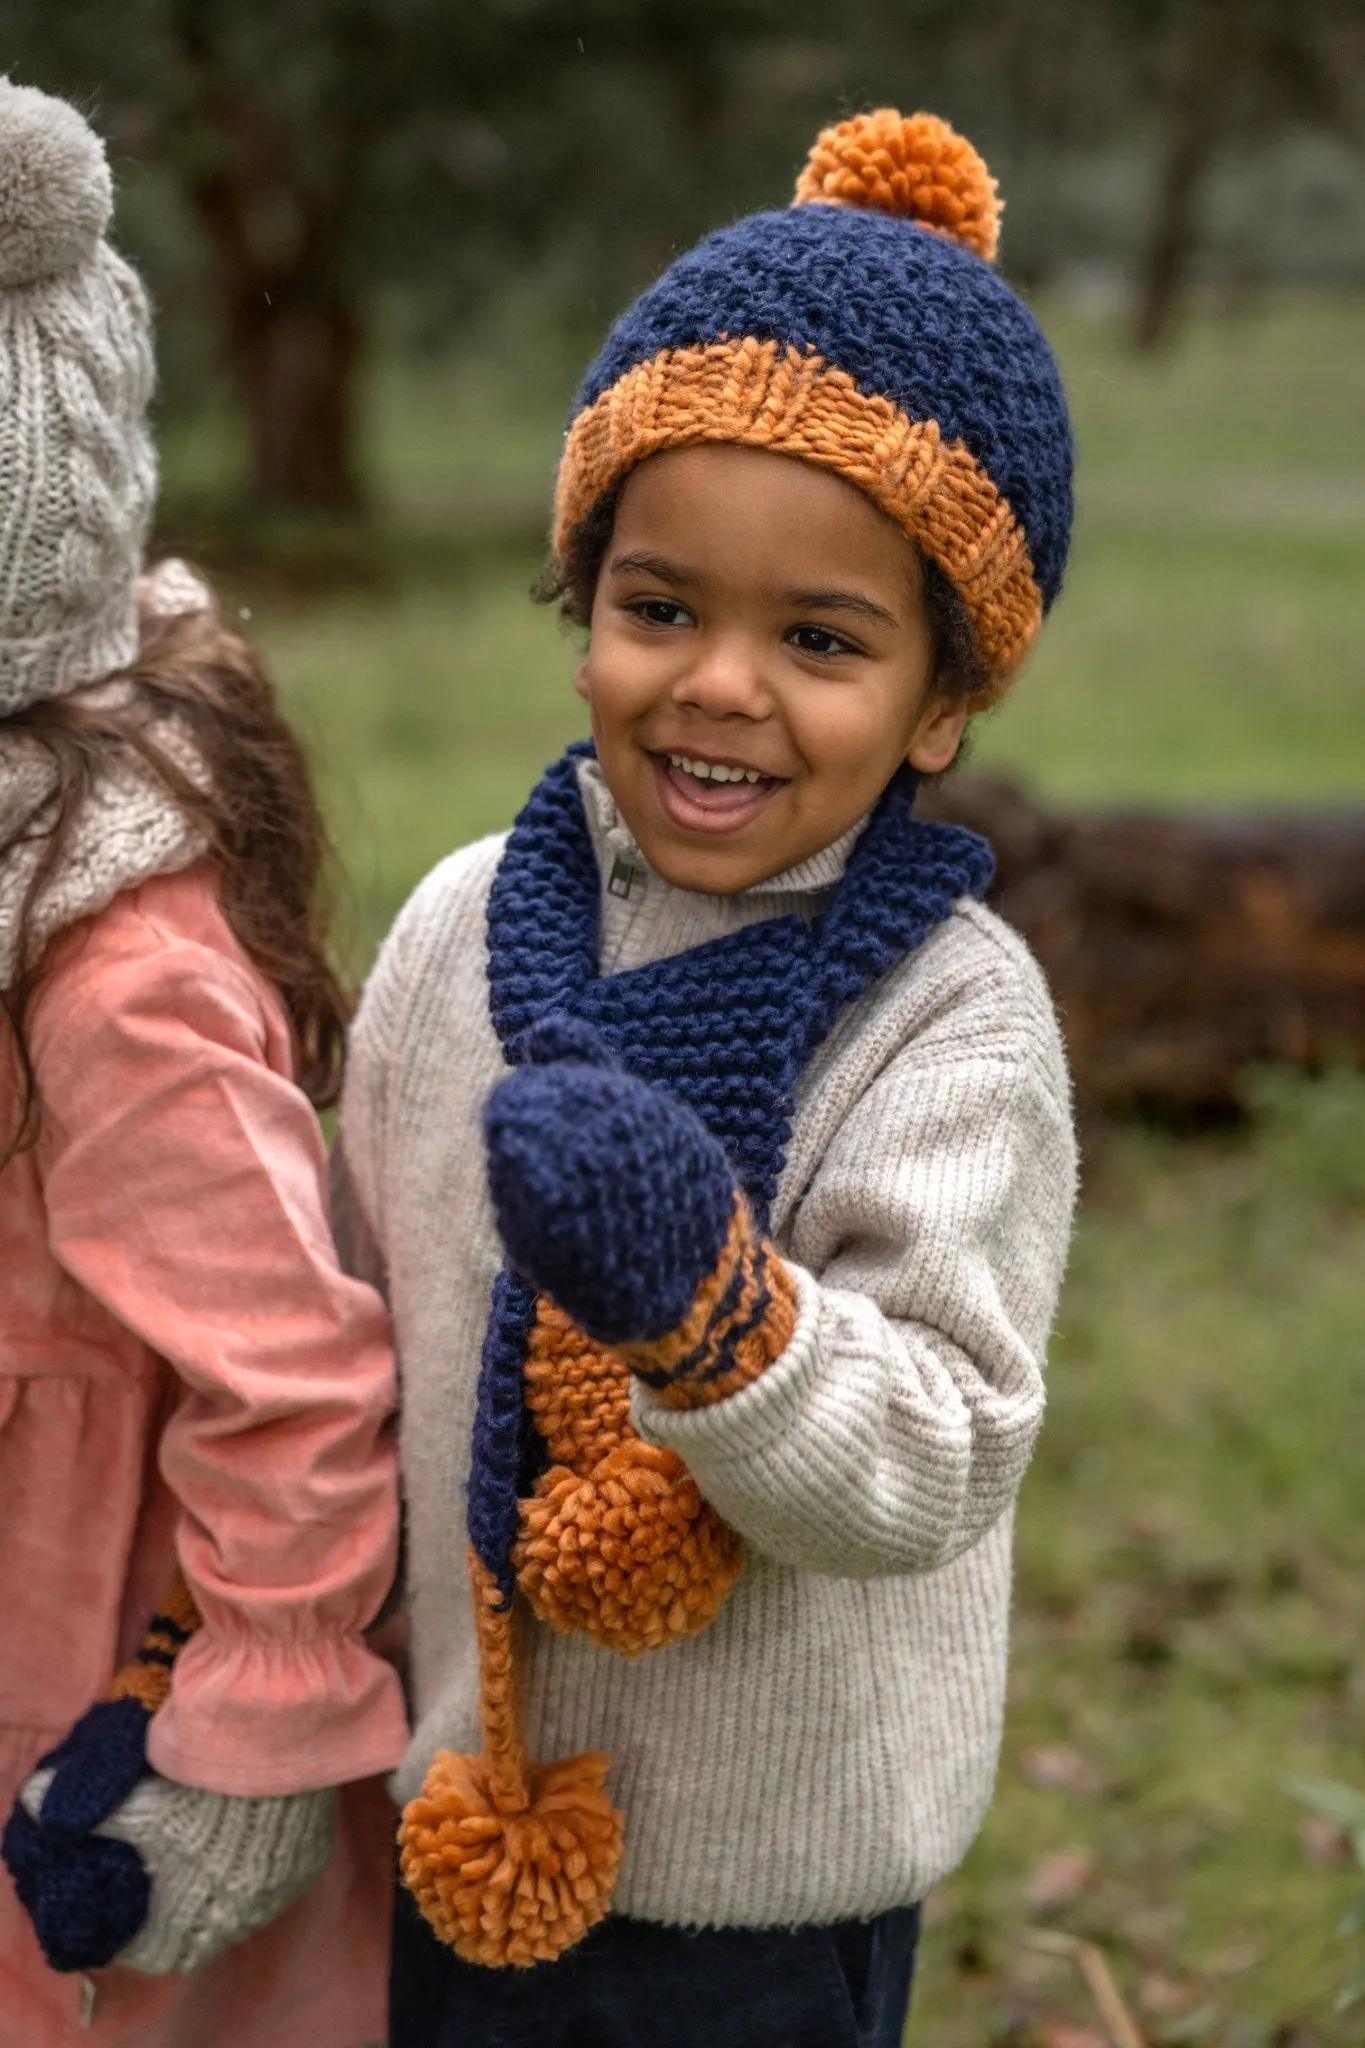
[{"x": 727, "y": 1027}]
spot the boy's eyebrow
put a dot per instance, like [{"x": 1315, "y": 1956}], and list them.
[
  {"x": 840, "y": 601},
  {"x": 642, "y": 563}
]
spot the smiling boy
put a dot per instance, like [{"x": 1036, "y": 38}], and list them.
[
  {"x": 713, "y": 1142},
  {"x": 761, "y": 662}
]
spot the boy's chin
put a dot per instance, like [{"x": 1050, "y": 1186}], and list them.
[{"x": 716, "y": 867}]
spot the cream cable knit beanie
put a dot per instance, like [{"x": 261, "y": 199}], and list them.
[{"x": 76, "y": 373}]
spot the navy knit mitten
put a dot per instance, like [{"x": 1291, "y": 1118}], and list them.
[
  {"x": 611, "y": 1197},
  {"x": 113, "y": 1862},
  {"x": 87, "y": 1894}
]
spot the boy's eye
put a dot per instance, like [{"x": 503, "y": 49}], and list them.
[
  {"x": 820, "y": 640},
  {"x": 660, "y": 611}
]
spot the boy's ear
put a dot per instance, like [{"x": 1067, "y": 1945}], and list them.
[
  {"x": 937, "y": 738},
  {"x": 580, "y": 681}
]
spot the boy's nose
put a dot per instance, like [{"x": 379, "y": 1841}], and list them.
[{"x": 725, "y": 679}]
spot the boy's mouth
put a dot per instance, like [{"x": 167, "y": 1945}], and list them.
[{"x": 710, "y": 796}]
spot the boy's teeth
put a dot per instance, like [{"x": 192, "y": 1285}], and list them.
[{"x": 713, "y": 771}]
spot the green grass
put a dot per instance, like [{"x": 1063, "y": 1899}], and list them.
[
  {"x": 430, "y": 711},
  {"x": 1190, "y": 1604},
  {"x": 1206, "y": 648}
]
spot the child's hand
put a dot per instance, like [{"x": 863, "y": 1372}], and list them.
[
  {"x": 614, "y": 1199},
  {"x": 193, "y": 1872},
  {"x": 113, "y": 1863},
  {"x": 611, "y": 1197}
]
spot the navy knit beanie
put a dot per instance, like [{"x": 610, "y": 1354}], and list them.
[{"x": 864, "y": 330}]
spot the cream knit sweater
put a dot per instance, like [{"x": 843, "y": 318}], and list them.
[{"x": 826, "y": 1748}]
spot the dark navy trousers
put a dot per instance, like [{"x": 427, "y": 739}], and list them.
[{"x": 630, "y": 1984}]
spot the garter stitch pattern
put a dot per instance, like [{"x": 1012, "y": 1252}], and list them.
[
  {"x": 862, "y": 330},
  {"x": 76, "y": 375},
  {"x": 679, "y": 1078},
  {"x": 87, "y": 1894}
]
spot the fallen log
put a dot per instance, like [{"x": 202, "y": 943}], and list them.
[{"x": 1182, "y": 948}]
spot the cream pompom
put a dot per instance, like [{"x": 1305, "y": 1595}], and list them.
[
  {"x": 56, "y": 196},
  {"x": 913, "y": 166}
]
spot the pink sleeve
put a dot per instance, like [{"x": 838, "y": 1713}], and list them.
[{"x": 185, "y": 1190}]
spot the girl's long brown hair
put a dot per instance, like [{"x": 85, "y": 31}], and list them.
[{"x": 254, "y": 805}]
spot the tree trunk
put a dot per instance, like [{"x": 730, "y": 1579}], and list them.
[
  {"x": 1174, "y": 235},
  {"x": 277, "y": 203},
  {"x": 295, "y": 359},
  {"x": 1210, "y": 49},
  {"x": 1182, "y": 949}
]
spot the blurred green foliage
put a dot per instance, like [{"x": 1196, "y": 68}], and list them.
[
  {"x": 1313, "y": 1138},
  {"x": 304, "y": 182},
  {"x": 1344, "y": 1808},
  {"x": 1207, "y": 647},
  {"x": 1190, "y": 1608}
]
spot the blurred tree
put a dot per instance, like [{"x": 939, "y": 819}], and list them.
[
  {"x": 269, "y": 137},
  {"x": 325, "y": 145},
  {"x": 265, "y": 118},
  {"x": 327, "y": 149},
  {"x": 1229, "y": 73}
]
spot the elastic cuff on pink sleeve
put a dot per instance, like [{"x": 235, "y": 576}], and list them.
[{"x": 258, "y": 1718}]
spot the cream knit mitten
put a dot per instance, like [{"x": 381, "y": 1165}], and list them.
[{"x": 220, "y": 1866}]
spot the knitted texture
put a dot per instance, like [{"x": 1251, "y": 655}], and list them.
[
  {"x": 616, "y": 1201},
  {"x": 213, "y": 1869},
  {"x": 127, "y": 828},
  {"x": 860, "y": 330},
  {"x": 638, "y": 1207},
  {"x": 826, "y": 1747},
  {"x": 616, "y": 1541},
  {"x": 725, "y": 1028},
  {"x": 739, "y": 1321},
  {"x": 76, "y": 375},
  {"x": 112, "y": 1862},
  {"x": 765, "y": 394},
  {"x": 87, "y": 1894},
  {"x": 610, "y": 1197},
  {"x": 918, "y": 170},
  {"x": 510, "y": 1864}
]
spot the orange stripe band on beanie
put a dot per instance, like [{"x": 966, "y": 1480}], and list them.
[
  {"x": 760, "y": 394},
  {"x": 862, "y": 330}
]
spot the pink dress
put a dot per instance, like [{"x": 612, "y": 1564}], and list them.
[{"x": 183, "y": 1364}]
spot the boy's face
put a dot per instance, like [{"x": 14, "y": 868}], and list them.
[{"x": 759, "y": 616}]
